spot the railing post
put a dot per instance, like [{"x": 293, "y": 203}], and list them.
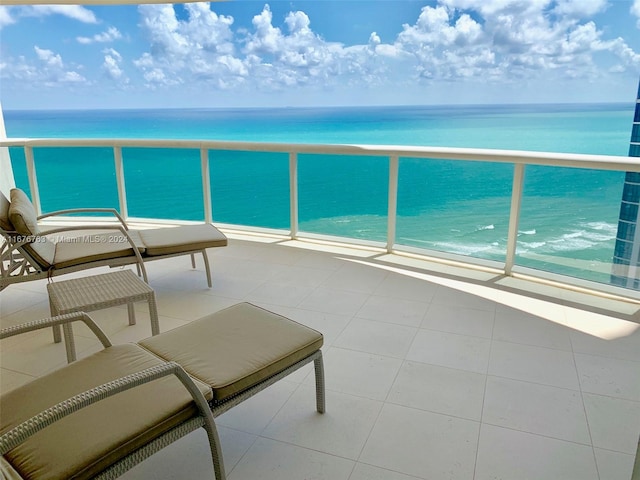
[
  {"x": 122, "y": 192},
  {"x": 206, "y": 185},
  {"x": 392, "y": 211},
  {"x": 514, "y": 217},
  {"x": 293, "y": 193},
  {"x": 33, "y": 179}
]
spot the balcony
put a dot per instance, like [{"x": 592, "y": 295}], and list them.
[{"x": 437, "y": 366}]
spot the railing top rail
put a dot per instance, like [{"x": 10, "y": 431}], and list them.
[{"x": 575, "y": 160}]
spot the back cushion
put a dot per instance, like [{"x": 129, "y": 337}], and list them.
[
  {"x": 5, "y": 223},
  {"x": 22, "y": 214}
]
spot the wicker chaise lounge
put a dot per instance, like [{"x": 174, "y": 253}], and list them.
[
  {"x": 101, "y": 415},
  {"x": 28, "y": 252}
]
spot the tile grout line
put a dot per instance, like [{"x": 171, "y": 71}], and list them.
[
  {"x": 584, "y": 407},
  {"x": 484, "y": 395}
]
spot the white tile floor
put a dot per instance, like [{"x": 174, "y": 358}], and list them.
[{"x": 432, "y": 372}]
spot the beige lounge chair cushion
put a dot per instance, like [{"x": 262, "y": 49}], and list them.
[
  {"x": 42, "y": 250},
  {"x": 22, "y": 215},
  {"x": 93, "y": 247},
  {"x": 86, "y": 442},
  {"x": 244, "y": 345},
  {"x": 24, "y": 220},
  {"x": 5, "y": 223},
  {"x": 186, "y": 238}
]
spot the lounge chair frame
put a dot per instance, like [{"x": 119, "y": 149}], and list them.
[
  {"x": 18, "y": 265},
  {"x": 207, "y": 411}
]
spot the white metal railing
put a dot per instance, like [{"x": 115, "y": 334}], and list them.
[{"x": 520, "y": 159}]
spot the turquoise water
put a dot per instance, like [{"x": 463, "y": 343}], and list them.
[
  {"x": 583, "y": 128},
  {"x": 569, "y": 216}
]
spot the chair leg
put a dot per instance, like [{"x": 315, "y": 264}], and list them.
[
  {"x": 214, "y": 445},
  {"x": 57, "y": 335},
  {"x": 207, "y": 267},
  {"x": 57, "y": 332},
  {"x": 69, "y": 342},
  {"x": 319, "y": 370},
  {"x": 193, "y": 261}
]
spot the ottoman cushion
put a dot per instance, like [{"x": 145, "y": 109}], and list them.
[
  {"x": 236, "y": 348},
  {"x": 167, "y": 241}
]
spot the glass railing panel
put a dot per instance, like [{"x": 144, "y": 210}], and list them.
[
  {"x": 458, "y": 207},
  {"x": 19, "y": 166},
  {"x": 250, "y": 188},
  {"x": 569, "y": 220},
  {"x": 163, "y": 183},
  {"x": 343, "y": 195},
  {"x": 71, "y": 177}
]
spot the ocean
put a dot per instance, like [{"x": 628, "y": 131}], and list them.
[{"x": 569, "y": 216}]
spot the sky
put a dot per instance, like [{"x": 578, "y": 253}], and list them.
[{"x": 246, "y": 53}]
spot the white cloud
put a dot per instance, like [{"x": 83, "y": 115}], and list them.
[
  {"x": 499, "y": 41},
  {"x": 434, "y": 27},
  {"x": 75, "y": 12},
  {"x": 109, "y": 35},
  {"x": 626, "y": 56},
  {"x": 72, "y": 77},
  {"x": 444, "y": 46},
  {"x": 162, "y": 26},
  {"x": 374, "y": 39},
  {"x": 580, "y": 8},
  {"x": 156, "y": 77},
  {"x": 299, "y": 56},
  {"x": 208, "y": 31},
  {"x": 52, "y": 70},
  {"x": 18, "y": 69},
  {"x": 49, "y": 58},
  {"x": 512, "y": 39},
  {"x": 267, "y": 38},
  {"x": 202, "y": 45},
  {"x": 635, "y": 10},
  {"x": 490, "y": 8},
  {"x": 112, "y": 66},
  {"x": 113, "y": 53},
  {"x": 5, "y": 17}
]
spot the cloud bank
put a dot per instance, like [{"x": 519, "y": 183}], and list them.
[{"x": 499, "y": 42}]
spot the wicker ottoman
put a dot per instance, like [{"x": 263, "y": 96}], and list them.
[
  {"x": 95, "y": 292},
  {"x": 238, "y": 348}
]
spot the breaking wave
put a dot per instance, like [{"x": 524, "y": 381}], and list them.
[
  {"x": 486, "y": 227},
  {"x": 586, "y": 236}
]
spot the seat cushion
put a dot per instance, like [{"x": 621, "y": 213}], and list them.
[
  {"x": 22, "y": 214},
  {"x": 86, "y": 442},
  {"x": 42, "y": 250},
  {"x": 93, "y": 247},
  {"x": 236, "y": 348},
  {"x": 182, "y": 239},
  {"x": 5, "y": 223}
]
